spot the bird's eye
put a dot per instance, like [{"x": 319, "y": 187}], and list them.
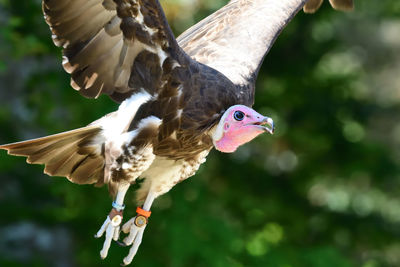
[{"x": 238, "y": 115}]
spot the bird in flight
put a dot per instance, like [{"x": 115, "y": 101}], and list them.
[{"x": 178, "y": 98}]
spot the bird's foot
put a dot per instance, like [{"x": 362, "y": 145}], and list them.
[
  {"x": 111, "y": 227},
  {"x": 135, "y": 227}
]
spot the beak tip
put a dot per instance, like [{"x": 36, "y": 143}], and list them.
[
  {"x": 272, "y": 130},
  {"x": 271, "y": 123},
  {"x": 267, "y": 124}
]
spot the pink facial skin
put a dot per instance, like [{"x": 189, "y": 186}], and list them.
[{"x": 238, "y": 132}]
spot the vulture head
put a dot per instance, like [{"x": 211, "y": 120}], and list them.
[{"x": 239, "y": 125}]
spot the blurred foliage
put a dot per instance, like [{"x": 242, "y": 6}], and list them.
[{"x": 323, "y": 191}]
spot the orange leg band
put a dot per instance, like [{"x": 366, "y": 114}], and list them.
[{"x": 143, "y": 212}]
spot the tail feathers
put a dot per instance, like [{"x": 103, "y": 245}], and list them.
[
  {"x": 344, "y": 5},
  {"x": 75, "y": 154}
]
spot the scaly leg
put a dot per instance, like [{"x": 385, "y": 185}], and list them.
[
  {"x": 135, "y": 227},
  {"x": 111, "y": 225}
]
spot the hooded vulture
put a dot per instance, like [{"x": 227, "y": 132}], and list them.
[{"x": 179, "y": 97}]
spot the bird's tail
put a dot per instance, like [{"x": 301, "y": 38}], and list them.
[{"x": 75, "y": 154}]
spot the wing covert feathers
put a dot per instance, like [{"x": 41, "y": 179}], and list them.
[
  {"x": 102, "y": 39},
  {"x": 235, "y": 39},
  {"x": 73, "y": 154}
]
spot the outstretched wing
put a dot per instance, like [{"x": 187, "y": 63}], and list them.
[
  {"x": 112, "y": 47},
  {"x": 235, "y": 39}
]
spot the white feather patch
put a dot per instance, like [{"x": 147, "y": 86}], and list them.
[
  {"x": 119, "y": 140},
  {"x": 149, "y": 120},
  {"x": 115, "y": 124}
]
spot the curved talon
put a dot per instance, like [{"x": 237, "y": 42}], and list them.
[
  {"x": 136, "y": 243},
  {"x": 121, "y": 243},
  {"x": 111, "y": 228},
  {"x": 135, "y": 227}
]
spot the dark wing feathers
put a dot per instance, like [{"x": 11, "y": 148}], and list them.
[
  {"x": 344, "y": 5},
  {"x": 112, "y": 47},
  {"x": 117, "y": 47},
  {"x": 312, "y": 5}
]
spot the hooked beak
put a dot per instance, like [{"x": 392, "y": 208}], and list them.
[{"x": 267, "y": 124}]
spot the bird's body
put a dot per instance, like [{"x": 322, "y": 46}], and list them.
[{"x": 179, "y": 98}]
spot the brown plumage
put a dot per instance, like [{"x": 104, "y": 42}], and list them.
[
  {"x": 175, "y": 94},
  {"x": 68, "y": 154},
  {"x": 134, "y": 40}
]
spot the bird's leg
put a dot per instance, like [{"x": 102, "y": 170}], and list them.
[
  {"x": 111, "y": 225},
  {"x": 135, "y": 227}
]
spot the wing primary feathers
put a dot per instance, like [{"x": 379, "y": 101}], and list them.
[
  {"x": 343, "y": 5},
  {"x": 102, "y": 38},
  {"x": 312, "y": 5}
]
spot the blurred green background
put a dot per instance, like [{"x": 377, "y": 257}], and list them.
[{"x": 323, "y": 191}]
